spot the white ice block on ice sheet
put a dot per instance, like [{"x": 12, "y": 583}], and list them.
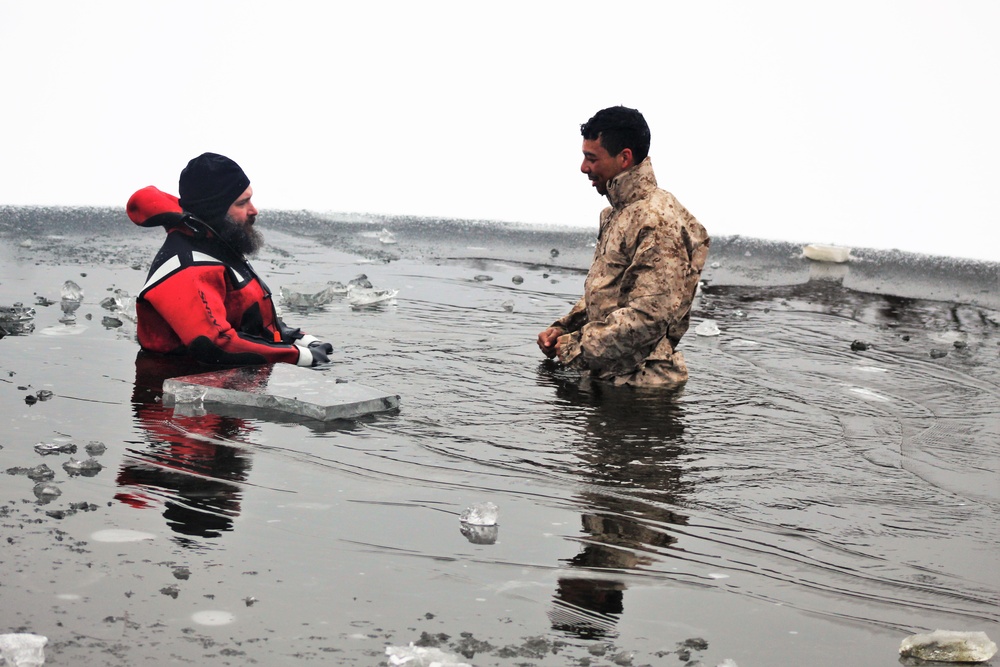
[
  {"x": 827, "y": 253},
  {"x": 284, "y": 387}
]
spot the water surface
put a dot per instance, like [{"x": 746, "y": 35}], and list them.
[{"x": 797, "y": 502}]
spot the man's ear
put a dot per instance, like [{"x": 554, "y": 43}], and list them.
[{"x": 626, "y": 159}]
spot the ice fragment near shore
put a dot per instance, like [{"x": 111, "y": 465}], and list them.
[
  {"x": 23, "y": 650},
  {"x": 422, "y": 656},
  {"x": 386, "y": 237},
  {"x": 707, "y": 328},
  {"x": 827, "y": 253},
  {"x": 949, "y": 646},
  {"x": 480, "y": 514}
]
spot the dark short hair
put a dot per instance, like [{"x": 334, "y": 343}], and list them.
[{"x": 619, "y": 128}]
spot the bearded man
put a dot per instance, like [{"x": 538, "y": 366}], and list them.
[{"x": 202, "y": 299}]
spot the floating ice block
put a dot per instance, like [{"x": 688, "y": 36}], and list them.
[{"x": 283, "y": 387}]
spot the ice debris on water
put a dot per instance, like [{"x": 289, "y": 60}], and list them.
[
  {"x": 87, "y": 467},
  {"x": 707, "y": 328},
  {"x": 71, "y": 291},
  {"x": 16, "y": 313},
  {"x": 422, "y": 656},
  {"x": 480, "y": 514},
  {"x": 948, "y": 646},
  {"x": 45, "y": 449},
  {"x": 827, "y": 253},
  {"x": 508, "y": 306},
  {"x": 23, "y": 649},
  {"x": 386, "y": 237}
]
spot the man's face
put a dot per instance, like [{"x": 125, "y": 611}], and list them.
[
  {"x": 600, "y": 166},
  {"x": 238, "y": 230},
  {"x": 242, "y": 210}
]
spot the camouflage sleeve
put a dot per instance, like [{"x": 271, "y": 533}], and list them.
[
  {"x": 575, "y": 318},
  {"x": 657, "y": 289}
]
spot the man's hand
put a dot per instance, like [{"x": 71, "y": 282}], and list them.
[{"x": 547, "y": 341}]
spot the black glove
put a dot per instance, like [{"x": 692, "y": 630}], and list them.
[{"x": 321, "y": 352}]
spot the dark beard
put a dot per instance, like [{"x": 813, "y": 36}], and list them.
[{"x": 244, "y": 239}]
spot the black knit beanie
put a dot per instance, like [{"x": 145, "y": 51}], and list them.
[{"x": 209, "y": 185}]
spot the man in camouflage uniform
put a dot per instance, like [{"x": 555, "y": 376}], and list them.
[{"x": 649, "y": 256}]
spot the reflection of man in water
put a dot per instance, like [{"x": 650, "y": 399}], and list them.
[
  {"x": 631, "y": 446},
  {"x": 650, "y": 252},
  {"x": 202, "y": 298},
  {"x": 185, "y": 468}
]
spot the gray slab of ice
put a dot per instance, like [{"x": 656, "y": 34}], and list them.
[{"x": 283, "y": 387}]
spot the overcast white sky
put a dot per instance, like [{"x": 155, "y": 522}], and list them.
[{"x": 868, "y": 123}]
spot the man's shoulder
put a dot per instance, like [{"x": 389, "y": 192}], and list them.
[{"x": 186, "y": 250}]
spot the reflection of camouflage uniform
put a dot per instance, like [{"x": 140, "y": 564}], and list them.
[{"x": 637, "y": 298}]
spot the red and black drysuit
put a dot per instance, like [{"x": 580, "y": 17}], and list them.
[{"x": 203, "y": 300}]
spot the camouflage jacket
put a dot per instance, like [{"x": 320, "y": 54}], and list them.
[{"x": 637, "y": 297}]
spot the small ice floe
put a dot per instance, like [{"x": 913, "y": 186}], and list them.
[
  {"x": 213, "y": 617},
  {"x": 367, "y": 297},
  {"x": 71, "y": 291},
  {"x": 23, "y": 649},
  {"x": 707, "y": 328},
  {"x": 26, "y": 243},
  {"x": 422, "y": 656},
  {"x": 483, "y": 278},
  {"x": 948, "y": 646},
  {"x": 386, "y": 237},
  {"x": 827, "y": 253},
  {"x": 508, "y": 306},
  {"x": 480, "y": 514},
  {"x": 118, "y": 535}
]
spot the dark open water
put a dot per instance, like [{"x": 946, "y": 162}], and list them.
[{"x": 797, "y": 503}]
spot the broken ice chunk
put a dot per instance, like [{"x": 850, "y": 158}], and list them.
[
  {"x": 422, "y": 656},
  {"x": 312, "y": 294},
  {"x": 16, "y": 313},
  {"x": 365, "y": 297},
  {"x": 386, "y": 237},
  {"x": 949, "y": 646},
  {"x": 71, "y": 291},
  {"x": 707, "y": 328},
  {"x": 87, "y": 467},
  {"x": 45, "y": 449},
  {"x": 23, "y": 649},
  {"x": 480, "y": 514}
]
